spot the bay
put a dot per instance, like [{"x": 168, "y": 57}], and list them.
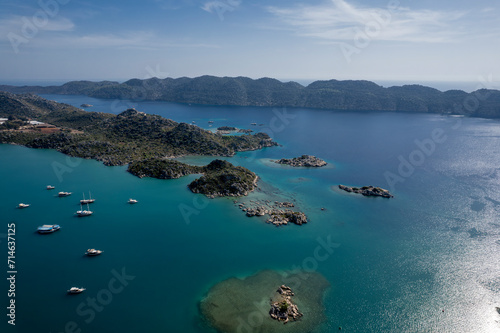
[{"x": 396, "y": 264}]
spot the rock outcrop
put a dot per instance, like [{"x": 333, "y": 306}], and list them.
[
  {"x": 277, "y": 215},
  {"x": 282, "y": 308},
  {"x": 303, "y": 161},
  {"x": 368, "y": 191}
]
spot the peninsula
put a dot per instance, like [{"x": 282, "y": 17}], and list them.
[{"x": 121, "y": 139}]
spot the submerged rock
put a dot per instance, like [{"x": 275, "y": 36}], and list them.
[{"x": 243, "y": 305}]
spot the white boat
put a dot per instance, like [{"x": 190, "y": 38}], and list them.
[
  {"x": 48, "y": 228},
  {"x": 132, "y": 201},
  {"x": 23, "y": 205},
  {"x": 76, "y": 290},
  {"x": 93, "y": 252},
  {"x": 87, "y": 201},
  {"x": 64, "y": 194},
  {"x": 50, "y": 187},
  {"x": 82, "y": 213}
]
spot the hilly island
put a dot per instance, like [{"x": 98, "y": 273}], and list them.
[
  {"x": 243, "y": 91},
  {"x": 132, "y": 137}
]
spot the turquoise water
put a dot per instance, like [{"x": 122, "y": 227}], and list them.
[{"x": 399, "y": 263}]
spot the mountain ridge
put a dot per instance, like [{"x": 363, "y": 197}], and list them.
[{"x": 332, "y": 94}]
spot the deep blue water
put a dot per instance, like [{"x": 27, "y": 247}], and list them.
[{"x": 399, "y": 262}]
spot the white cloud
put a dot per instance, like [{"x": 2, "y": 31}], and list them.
[
  {"x": 138, "y": 40},
  {"x": 339, "y": 20},
  {"x": 220, "y": 6},
  {"x": 16, "y": 24}
]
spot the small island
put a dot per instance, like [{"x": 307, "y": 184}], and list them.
[
  {"x": 84, "y": 105},
  {"x": 368, "y": 191},
  {"x": 282, "y": 307},
  {"x": 303, "y": 161},
  {"x": 220, "y": 178},
  {"x": 277, "y": 212}
]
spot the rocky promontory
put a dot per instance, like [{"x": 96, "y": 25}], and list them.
[
  {"x": 121, "y": 139},
  {"x": 303, "y": 161},
  {"x": 220, "y": 178},
  {"x": 368, "y": 191}
]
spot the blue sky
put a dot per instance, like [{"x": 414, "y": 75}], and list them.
[{"x": 394, "y": 40}]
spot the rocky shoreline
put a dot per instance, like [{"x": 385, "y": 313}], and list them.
[
  {"x": 277, "y": 212},
  {"x": 282, "y": 308},
  {"x": 369, "y": 191},
  {"x": 303, "y": 161}
]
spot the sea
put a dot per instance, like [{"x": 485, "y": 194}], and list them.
[{"x": 427, "y": 260}]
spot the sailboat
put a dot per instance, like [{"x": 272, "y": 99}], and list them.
[
  {"x": 87, "y": 201},
  {"x": 81, "y": 212}
]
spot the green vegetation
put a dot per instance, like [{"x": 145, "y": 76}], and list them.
[
  {"x": 243, "y": 91},
  {"x": 226, "y": 128},
  {"x": 220, "y": 178},
  {"x": 162, "y": 168},
  {"x": 283, "y": 306},
  {"x": 116, "y": 139}
]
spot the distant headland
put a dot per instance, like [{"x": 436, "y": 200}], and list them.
[{"x": 268, "y": 92}]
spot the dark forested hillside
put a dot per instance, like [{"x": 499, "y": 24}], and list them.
[{"x": 243, "y": 91}]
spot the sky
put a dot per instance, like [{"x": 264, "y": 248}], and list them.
[{"x": 389, "y": 40}]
